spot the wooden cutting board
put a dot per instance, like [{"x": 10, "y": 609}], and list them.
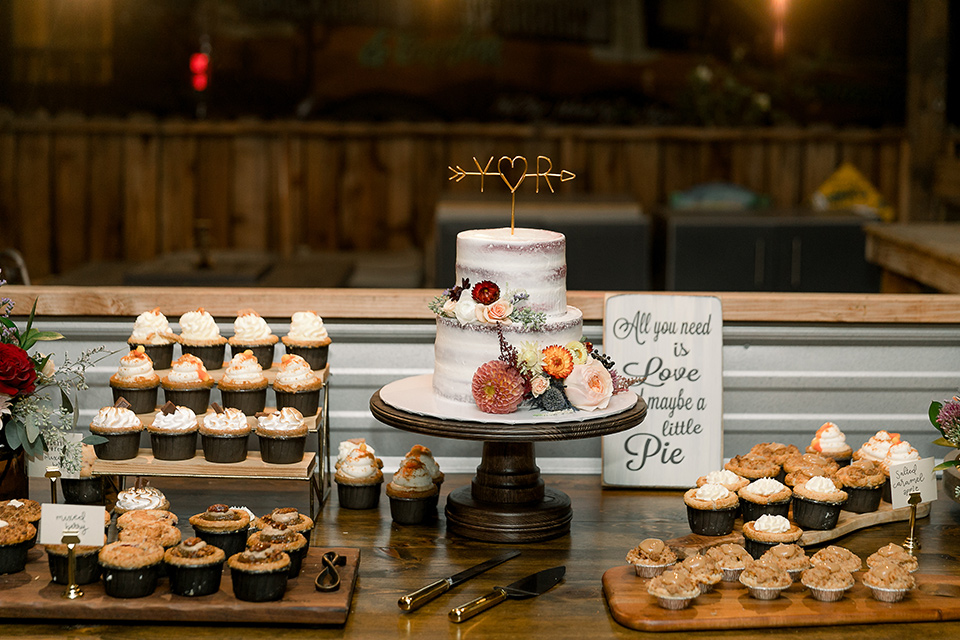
[
  {"x": 31, "y": 594},
  {"x": 848, "y": 522},
  {"x": 729, "y": 606}
]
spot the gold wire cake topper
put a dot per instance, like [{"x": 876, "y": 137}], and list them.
[{"x": 513, "y": 171}]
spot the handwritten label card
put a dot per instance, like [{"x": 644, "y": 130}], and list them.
[
  {"x": 54, "y": 518},
  {"x": 677, "y": 343},
  {"x": 909, "y": 477}
]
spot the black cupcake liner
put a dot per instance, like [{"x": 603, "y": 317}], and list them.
[
  {"x": 122, "y": 446},
  {"x": 82, "y": 490},
  {"x": 810, "y": 514},
  {"x": 230, "y": 541},
  {"x": 316, "y": 357},
  {"x": 181, "y": 446},
  {"x": 715, "y": 522},
  {"x": 250, "y": 401},
  {"x": 887, "y": 497},
  {"x": 359, "y": 496},
  {"x": 224, "y": 449},
  {"x": 211, "y": 355},
  {"x": 411, "y": 510},
  {"x": 160, "y": 354},
  {"x": 264, "y": 586},
  {"x": 197, "y": 400},
  {"x": 862, "y": 499},
  {"x": 87, "y": 568},
  {"x": 263, "y": 353},
  {"x": 296, "y": 559},
  {"x": 306, "y": 402},
  {"x": 757, "y": 548},
  {"x": 282, "y": 450},
  {"x": 141, "y": 400},
  {"x": 195, "y": 580},
  {"x": 130, "y": 583},
  {"x": 753, "y": 510},
  {"x": 13, "y": 557}
]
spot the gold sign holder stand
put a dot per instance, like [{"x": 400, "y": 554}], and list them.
[
  {"x": 513, "y": 171},
  {"x": 912, "y": 543},
  {"x": 71, "y": 538},
  {"x": 53, "y": 474}
]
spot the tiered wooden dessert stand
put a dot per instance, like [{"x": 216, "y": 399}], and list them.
[
  {"x": 507, "y": 500},
  {"x": 314, "y": 468}
]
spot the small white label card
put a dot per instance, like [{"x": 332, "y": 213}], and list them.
[
  {"x": 911, "y": 477},
  {"x": 676, "y": 342},
  {"x": 88, "y": 521}
]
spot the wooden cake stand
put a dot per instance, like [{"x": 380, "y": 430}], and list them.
[{"x": 507, "y": 500}]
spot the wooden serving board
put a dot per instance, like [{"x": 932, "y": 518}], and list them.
[
  {"x": 848, "y": 522},
  {"x": 252, "y": 467},
  {"x": 31, "y": 594},
  {"x": 729, "y": 605}
]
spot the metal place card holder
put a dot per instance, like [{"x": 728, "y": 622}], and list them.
[
  {"x": 71, "y": 538},
  {"x": 53, "y": 474},
  {"x": 912, "y": 543}
]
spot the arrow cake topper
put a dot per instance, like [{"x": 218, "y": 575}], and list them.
[{"x": 513, "y": 171}]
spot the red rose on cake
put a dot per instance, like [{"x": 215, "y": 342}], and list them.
[
  {"x": 589, "y": 386},
  {"x": 18, "y": 373}
]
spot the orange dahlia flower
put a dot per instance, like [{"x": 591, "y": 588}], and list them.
[{"x": 557, "y": 361}]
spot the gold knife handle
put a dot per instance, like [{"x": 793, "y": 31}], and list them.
[
  {"x": 472, "y": 608},
  {"x": 422, "y": 596}
]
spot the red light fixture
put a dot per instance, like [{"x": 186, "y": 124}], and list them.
[{"x": 199, "y": 68}]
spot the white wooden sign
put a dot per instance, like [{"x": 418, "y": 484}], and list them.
[
  {"x": 677, "y": 343},
  {"x": 913, "y": 476}
]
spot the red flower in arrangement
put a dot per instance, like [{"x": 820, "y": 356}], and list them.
[
  {"x": 498, "y": 387},
  {"x": 486, "y": 292},
  {"x": 557, "y": 361},
  {"x": 18, "y": 374}
]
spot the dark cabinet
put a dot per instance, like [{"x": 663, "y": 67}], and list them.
[{"x": 725, "y": 251}]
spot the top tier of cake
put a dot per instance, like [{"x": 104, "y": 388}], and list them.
[{"x": 529, "y": 259}]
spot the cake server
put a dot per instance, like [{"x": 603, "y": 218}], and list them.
[
  {"x": 530, "y": 587},
  {"x": 424, "y": 595}
]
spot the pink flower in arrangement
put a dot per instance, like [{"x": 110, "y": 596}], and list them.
[
  {"x": 498, "y": 311},
  {"x": 498, "y": 387},
  {"x": 589, "y": 386},
  {"x": 538, "y": 385}
]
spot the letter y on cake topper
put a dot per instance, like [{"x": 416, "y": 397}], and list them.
[{"x": 513, "y": 171}]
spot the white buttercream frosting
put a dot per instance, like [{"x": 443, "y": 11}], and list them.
[
  {"x": 765, "y": 487},
  {"x": 119, "y": 418},
  {"x": 188, "y": 368},
  {"x": 771, "y": 524},
  {"x": 712, "y": 492},
  {"x": 723, "y": 476},
  {"x": 877, "y": 446},
  {"x": 830, "y": 438},
  {"x": 287, "y": 419},
  {"x": 135, "y": 365},
  {"x": 243, "y": 369},
  {"x": 295, "y": 372},
  {"x": 198, "y": 326},
  {"x": 151, "y": 327},
  {"x": 182, "y": 420},
  {"x": 359, "y": 464},
  {"x": 900, "y": 452},
  {"x": 231, "y": 422},
  {"x": 306, "y": 326},
  {"x": 821, "y": 484},
  {"x": 347, "y": 446},
  {"x": 250, "y": 328},
  {"x": 412, "y": 474}
]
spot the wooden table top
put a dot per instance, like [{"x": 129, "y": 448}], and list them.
[
  {"x": 928, "y": 254},
  {"x": 398, "y": 559}
]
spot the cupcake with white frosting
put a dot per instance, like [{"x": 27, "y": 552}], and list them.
[
  {"x": 243, "y": 385},
  {"x": 200, "y": 336},
  {"x": 188, "y": 384},
  {"x": 765, "y": 496},
  {"x": 358, "y": 480},
  {"x": 724, "y": 477},
  {"x": 308, "y": 339},
  {"x": 224, "y": 435},
  {"x": 297, "y": 385},
  {"x": 817, "y": 503},
  {"x": 411, "y": 492},
  {"x": 283, "y": 436},
  {"x": 251, "y": 332},
  {"x": 173, "y": 433},
  {"x": 877, "y": 446},
  {"x": 152, "y": 331},
  {"x": 137, "y": 498},
  {"x": 347, "y": 446},
  {"x": 136, "y": 382},
  {"x": 830, "y": 442},
  {"x": 711, "y": 509},
  {"x": 424, "y": 455},
  {"x": 768, "y": 531},
  {"x": 121, "y": 427}
]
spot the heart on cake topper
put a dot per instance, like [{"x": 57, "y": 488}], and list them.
[{"x": 511, "y": 171}]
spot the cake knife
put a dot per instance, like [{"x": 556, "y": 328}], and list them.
[
  {"x": 530, "y": 587},
  {"x": 424, "y": 595}
]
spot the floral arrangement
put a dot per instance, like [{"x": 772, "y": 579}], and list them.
[
  {"x": 32, "y": 419},
  {"x": 486, "y": 303},
  {"x": 945, "y": 416},
  {"x": 554, "y": 378}
]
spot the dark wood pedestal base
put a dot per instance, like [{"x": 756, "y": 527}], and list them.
[{"x": 507, "y": 500}]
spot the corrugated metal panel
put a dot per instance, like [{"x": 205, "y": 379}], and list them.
[{"x": 780, "y": 382}]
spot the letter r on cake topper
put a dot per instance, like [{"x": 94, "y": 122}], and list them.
[{"x": 513, "y": 171}]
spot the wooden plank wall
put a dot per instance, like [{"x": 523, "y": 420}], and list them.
[{"x": 74, "y": 190}]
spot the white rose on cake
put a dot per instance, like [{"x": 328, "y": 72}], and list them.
[
  {"x": 466, "y": 310},
  {"x": 589, "y": 386}
]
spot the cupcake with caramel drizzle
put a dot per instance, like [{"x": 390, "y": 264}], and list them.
[
  {"x": 222, "y": 526},
  {"x": 259, "y": 573},
  {"x": 294, "y": 544},
  {"x": 194, "y": 567}
]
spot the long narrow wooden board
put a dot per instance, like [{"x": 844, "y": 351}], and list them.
[
  {"x": 253, "y": 467},
  {"x": 847, "y": 523},
  {"x": 729, "y": 606},
  {"x": 31, "y": 594}
]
